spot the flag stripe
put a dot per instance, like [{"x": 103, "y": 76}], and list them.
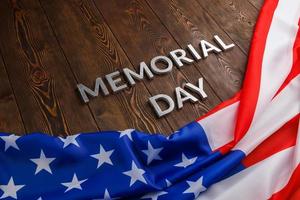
[
  {"x": 269, "y": 121},
  {"x": 292, "y": 189},
  {"x": 275, "y": 143},
  {"x": 251, "y": 82},
  {"x": 259, "y": 181},
  {"x": 221, "y": 132}
]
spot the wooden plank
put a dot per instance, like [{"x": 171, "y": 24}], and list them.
[
  {"x": 189, "y": 23},
  {"x": 93, "y": 51},
  {"x": 257, "y": 3},
  {"x": 142, "y": 36},
  {"x": 236, "y": 17},
  {"x": 39, "y": 73},
  {"x": 10, "y": 118}
]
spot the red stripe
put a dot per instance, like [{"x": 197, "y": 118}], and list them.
[
  {"x": 296, "y": 62},
  {"x": 284, "y": 138},
  {"x": 249, "y": 95},
  {"x": 250, "y": 89},
  {"x": 275, "y": 143},
  {"x": 292, "y": 189}
]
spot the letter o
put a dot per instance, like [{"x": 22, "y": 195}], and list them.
[{"x": 163, "y": 59}]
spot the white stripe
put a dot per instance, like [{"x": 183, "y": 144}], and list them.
[
  {"x": 219, "y": 127},
  {"x": 258, "y": 182},
  {"x": 278, "y": 55},
  {"x": 277, "y": 63},
  {"x": 282, "y": 109}
]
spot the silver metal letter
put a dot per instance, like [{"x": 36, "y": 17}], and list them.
[
  {"x": 162, "y": 97},
  {"x": 208, "y": 47},
  {"x": 198, "y": 89},
  {"x": 113, "y": 82},
  {"x": 85, "y": 90},
  {"x": 183, "y": 96},
  {"x": 163, "y": 59},
  {"x": 220, "y": 42},
  {"x": 132, "y": 74},
  {"x": 179, "y": 56},
  {"x": 194, "y": 53}
]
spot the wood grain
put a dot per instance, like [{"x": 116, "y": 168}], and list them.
[
  {"x": 10, "y": 118},
  {"x": 236, "y": 17},
  {"x": 142, "y": 36},
  {"x": 257, "y": 3},
  {"x": 48, "y": 46},
  {"x": 225, "y": 74},
  {"x": 81, "y": 31},
  {"x": 38, "y": 71}
]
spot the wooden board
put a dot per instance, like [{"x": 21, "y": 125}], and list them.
[
  {"x": 10, "y": 118},
  {"x": 48, "y": 46}
]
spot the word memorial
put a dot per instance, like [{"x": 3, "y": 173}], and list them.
[{"x": 159, "y": 65}]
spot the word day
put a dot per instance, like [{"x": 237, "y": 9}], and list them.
[
  {"x": 181, "y": 95},
  {"x": 159, "y": 65}
]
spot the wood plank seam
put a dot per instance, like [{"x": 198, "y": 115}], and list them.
[
  {"x": 151, "y": 34},
  {"x": 120, "y": 99},
  {"x": 181, "y": 47},
  {"x": 189, "y": 26},
  {"x": 257, "y": 8},
  {"x": 242, "y": 49},
  {"x": 13, "y": 91},
  {"x": 240, "y": 45},
  {"x": 127, "y": 57},
  {"x": 69, "y": 65}
]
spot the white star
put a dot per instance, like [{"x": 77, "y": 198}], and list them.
[
  {"x": 10, "y": 190},
  {"x": 152, "y": 153},
  {"x": 126, "y": 132},
  {"x": 10, "y": 141},
  {"x": 74, "y": 184},
  {"x": 154, "y": 195},
  {"x": 43, "y": 163},
  {"x": 136, "y": 174},
  {"x": 70, "y": 140},
  {"x": 186, "y": 162},
  {"x": 195, "y": 187},
  {"x": 168, "y": 183},
  {"x": 107, "y": 196},
  {"x": 103, "y": 156},
  {"x": 40, "y": 198}
]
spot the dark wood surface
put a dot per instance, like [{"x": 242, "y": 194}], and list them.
[{"x": 48, "y": 46}]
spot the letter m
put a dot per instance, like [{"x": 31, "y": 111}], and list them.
[{"x": 84, "y": 91}]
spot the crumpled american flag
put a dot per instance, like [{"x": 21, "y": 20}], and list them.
[{"x": 246, "y": 148}]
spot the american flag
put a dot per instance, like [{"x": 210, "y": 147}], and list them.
[{"x": 246, "y": 148}]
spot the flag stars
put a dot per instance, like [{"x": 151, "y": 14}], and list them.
[
  {"x": 127, "y": 133},
  {"x": 43, "y": 163},
  {"x": 70, "y": 140},
  {"x": 10, "y": 141},
  {"x": 186, "y": 161},
  {"x": 11, "y": 189},
  {"x": 168, "y": 183},
  {"x": 195, "y": 187},
  {"x": 152, "y": 153},
  {"x": 107, "y": 196},
  {"x": 135, "y": 174},
  {"x": 154, "y": 195},
  {"x": 103, "y": 156},
  {"x": 74, "y": 184}
]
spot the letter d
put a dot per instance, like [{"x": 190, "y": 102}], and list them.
[{"x": 162, "y": 97}]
